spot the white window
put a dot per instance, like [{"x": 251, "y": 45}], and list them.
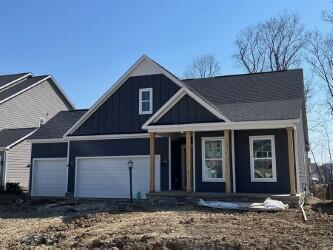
[
  {"x": 145, "y": 101},
  {"x": 262, "y": 157},
  {"x": 212, "y": 159}
]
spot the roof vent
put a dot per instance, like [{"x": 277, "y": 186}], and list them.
[{"x": 41, "y": 122}]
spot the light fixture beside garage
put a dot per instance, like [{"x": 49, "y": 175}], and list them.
[{"x": 130, "y": 168}]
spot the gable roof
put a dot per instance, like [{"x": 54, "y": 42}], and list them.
[
  {"x": 6, "y": 80},
  {"x": 276, "y": 95},
  {"x": 10, "y": 137},
  {"x": 144, "y": 65},
  {"x": 25, "y": 81},
  {"x": 57, "y": 126}
]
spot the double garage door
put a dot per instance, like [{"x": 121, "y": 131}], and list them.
[{"x": 95, "y": 177}]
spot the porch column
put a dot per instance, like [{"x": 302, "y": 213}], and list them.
[
  {"x": 152, "y": 162},
  {"x": 189, "y": 170},
  {"x": 291, "y": 158},
  {"x": 227, "y": 161}
]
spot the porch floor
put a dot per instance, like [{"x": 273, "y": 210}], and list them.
[{"x": 182, "y": 197}]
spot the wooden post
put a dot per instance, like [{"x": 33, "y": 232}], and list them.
[
  {"x": 152, "y": 162},
  {"x": 227, "y": 161},
  {"x": 189, "y": 170},
  {"x": 291, "y": 158}
]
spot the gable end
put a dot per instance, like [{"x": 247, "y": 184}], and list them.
[{"x": 185, "y": 111}]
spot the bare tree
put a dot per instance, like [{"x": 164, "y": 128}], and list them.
[
  {"x": 276, "y": 44},
  {"x": 321, "y": 60},
  {"x": 203, "y": 66}
]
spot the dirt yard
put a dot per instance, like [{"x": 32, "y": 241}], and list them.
[{"x": 106, "y": 224}]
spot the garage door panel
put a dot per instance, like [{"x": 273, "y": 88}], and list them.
[
  {"x": 109, "y": 177},
  {"x": 49, "y": 177}
]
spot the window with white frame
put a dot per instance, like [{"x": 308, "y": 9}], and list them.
[
  {"x": 145, "y": 101},
  {"x": 262, "y": 157},
  {"x": 212, "y": 159}
]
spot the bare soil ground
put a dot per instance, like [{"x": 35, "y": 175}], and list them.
[{"x": 27, "y": 224}]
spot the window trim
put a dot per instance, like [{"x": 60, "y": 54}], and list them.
[
  {"x": 263, "y": 137},
  {"x": 150, "y": 111},
  {"x": 203, "y": 159}
]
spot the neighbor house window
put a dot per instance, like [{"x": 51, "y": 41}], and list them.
[
  {"x": 212, "y": 159},
  {"x": 145, "y": 101},
  {"x": 262, "y": 157}
]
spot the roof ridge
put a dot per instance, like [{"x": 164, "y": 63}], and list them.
[
  {"x": 244, "y": 74},
  {"x": 23, "y": 73},
  {"x": 19, "y": 128}
]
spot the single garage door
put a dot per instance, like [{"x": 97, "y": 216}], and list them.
[
  {"x": 49, "y": 177},
  {"x": 108, "y": 177}
]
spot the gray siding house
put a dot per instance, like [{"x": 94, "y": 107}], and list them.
[
  {"x": 229, "y": 134},
  {"x": 26, "y": 102}
]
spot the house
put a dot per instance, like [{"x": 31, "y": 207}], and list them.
[
  {"x": 26, "y": 102},
  {"x": 230, "y": 134}
]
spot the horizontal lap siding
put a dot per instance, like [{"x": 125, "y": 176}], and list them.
[
  {"x": 26, "y": 109},
  {"x": 242, "y": 163},
  {"x": 121, "y": 147},
  {"x": 17, "y": 160},
  {"x": 202, "y": 186},
  {"x": 120, "y": 113},
  {"x": 187, "y": 110},
  {"x": 301, "y": 156}
]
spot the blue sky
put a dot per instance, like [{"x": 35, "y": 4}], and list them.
[{"x": 88, "y": 45}]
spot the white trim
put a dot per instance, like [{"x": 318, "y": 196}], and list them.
[
  {"x": 165, "y": 107},
  {"x": 123, "y": 79},
  {"x": 158, "y": 188},
  {"x": 15, "y": 81},
  {"x": 55, "y": 140},
  {"x": 114, "y": 87},
  {"x": 62, "y": 91},
  {"x": 20, "y": 140},
  {"x": 92, "y": 137},
  {"x": 263, "y": 137},
  {"x": 150, "y": 111},
  {"x": 246, "y": 125},
  {"x": 46, "y": 159},
  {"x": 23, "y": 90},
  {"x": 203, "y": 159},
  {"x": 295, "y": 139},
  {"x": 174, "y": 100},
  {"x": 193, "y": 161},
  {"x": 107, "y": 137},
  {"x": 169, "y": 159},
  {"x": 68, "y": 151},
  {"x": 233, "y": 161},
  {"x": 209, "y": 107},
  {"x": 5, "y": 168}
]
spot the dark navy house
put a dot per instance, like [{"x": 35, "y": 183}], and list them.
[{"x": 229, "y": 134}]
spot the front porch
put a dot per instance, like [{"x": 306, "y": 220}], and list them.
[{"x": 234, "y": 180}]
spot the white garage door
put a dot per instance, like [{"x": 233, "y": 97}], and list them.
[
  {"x": 49, "y": 177},
  {"x": 108, "y": 177}
]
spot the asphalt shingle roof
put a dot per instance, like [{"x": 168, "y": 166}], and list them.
[
  {"x": 275, "y": 95},
  {"x": 58, "y": 125},
  {"x": 20, "y": 86},
  {"x": 5, "y": 79},
  {"x": 9, "y": 136}
]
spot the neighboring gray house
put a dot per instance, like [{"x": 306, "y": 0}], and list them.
[{"x": 26, "y": 102}]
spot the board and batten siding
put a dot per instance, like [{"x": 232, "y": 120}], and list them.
[
  {"x": 120, "y": 112},
  {"x": 17, "y": 159},
  {"x": 26, "y": 109},
  {"x": 187, "y": 110}
]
